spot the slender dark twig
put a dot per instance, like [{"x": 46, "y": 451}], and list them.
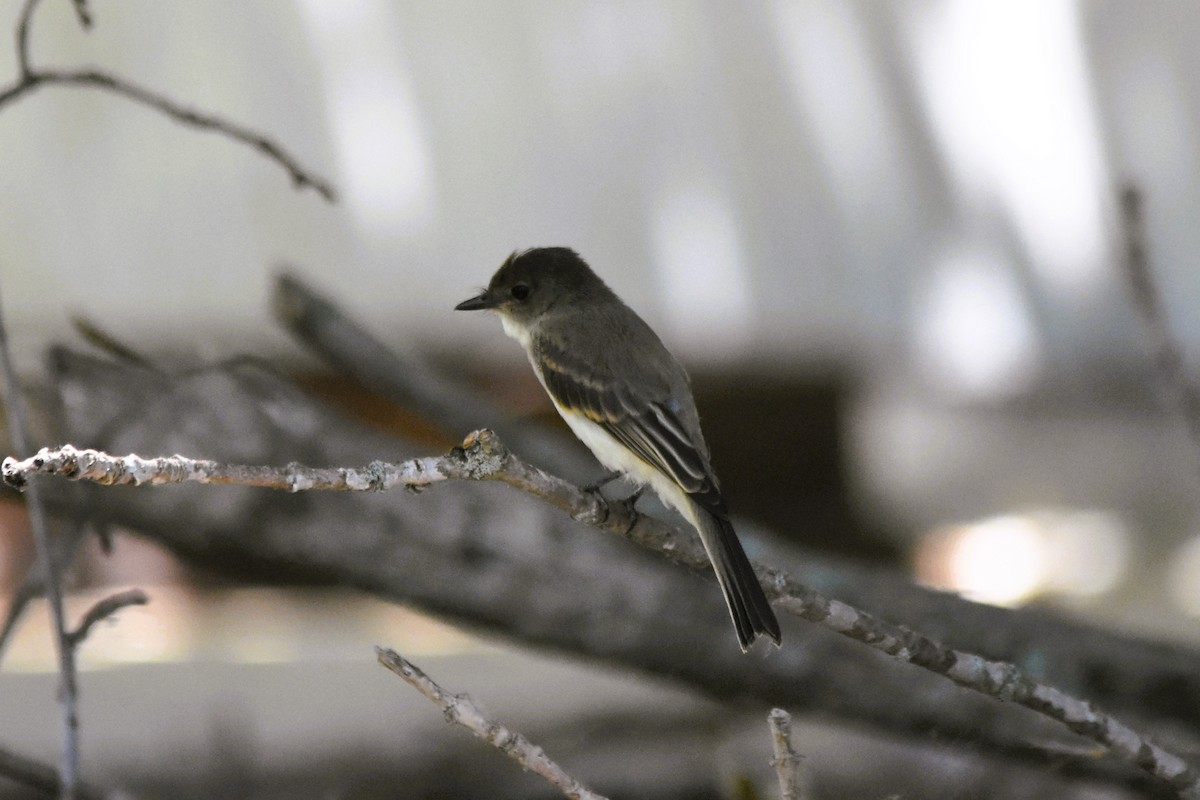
[
  {"x": 102, "y": 339},
  {"x": 104, "y": 609},
  {"x": 24, "y": 21},
  {"x": 1165, "y": 351},
  {"x": 484, "y": 457},
  {"x": 30, "y": 78},
  {"x": 66, "y": 542},
  {"x": 81, "y": 11},
  {"x": 68, "y": 694}
]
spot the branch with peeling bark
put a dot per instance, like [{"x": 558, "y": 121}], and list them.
[
  {"x": 459, "y": 708},
  {"x": 483, "y": 457},
  {"x": 31, "y": 78}
]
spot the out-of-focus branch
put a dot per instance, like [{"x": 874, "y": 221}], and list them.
[
  {"x": 459, "y": 708},
  {"x": 39, "y": 776},
  {"x": 30, "y": 78},
  {"x": 68, "y": 691},
  {"x": 1165, "y": 351},
  {"x": 104, "y": 609},
  {"x": 786, "y": 760},
  {"x": 82, "y": 11},
  {"x": 484, "y": 457},
  {"x": 65, "y": 543}
]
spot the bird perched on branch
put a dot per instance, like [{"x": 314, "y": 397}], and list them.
[{"x": 628, "y": 399}]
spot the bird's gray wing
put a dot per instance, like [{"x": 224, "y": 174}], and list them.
[{"x": 637, "y": 407}]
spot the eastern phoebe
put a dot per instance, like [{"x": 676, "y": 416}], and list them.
[{"x": 628, "y": 399}]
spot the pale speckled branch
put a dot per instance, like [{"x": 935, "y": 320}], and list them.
[
  {"x": 484, "y": 457},
  {"x": 460, "y": 709},
  {"x": 786, "y": 760},
  {"x": 994, "y": 678}
]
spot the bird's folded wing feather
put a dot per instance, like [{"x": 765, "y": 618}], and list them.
[{"x": 638, "y": 413}]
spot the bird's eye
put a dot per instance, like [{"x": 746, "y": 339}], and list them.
[{"x": 520, "y": 291}]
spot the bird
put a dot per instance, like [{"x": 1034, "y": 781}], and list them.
[{"x": 628, "y": 399}]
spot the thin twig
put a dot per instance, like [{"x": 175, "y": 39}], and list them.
[
  {"x": 68, "y": 694},
  {"x": 484, "y": 457},
  {"x": 1165, "y": 351},
  {"x": 104, "y": 609},
  {"x": 65, "y": 543},
  {"x": 81, "y": 11},
  {"x": 786, "y": 760},
  {"x": 24, "y": 21},
  {"x": 30, "y": 78},
  {"x": 100, "y": 338},
  {"x": 459, "y": 708}
]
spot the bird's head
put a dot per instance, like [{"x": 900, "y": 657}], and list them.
[{"x": 530, "y": 283}]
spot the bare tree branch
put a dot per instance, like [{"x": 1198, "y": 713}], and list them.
[
  {"x": 68, "y": 694},
  {"x": 484, "y": 457},
  {"x": 104, "y": 609},
  {"x": 460, "y": 709},
  {"x": 30, "y": 78},
  {"x": 786, "y": 760}
]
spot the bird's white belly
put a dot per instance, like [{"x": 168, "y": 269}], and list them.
[{"x": 616, "y": 456}]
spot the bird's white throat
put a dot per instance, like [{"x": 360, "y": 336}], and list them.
[{"x": 516, "y": 330}]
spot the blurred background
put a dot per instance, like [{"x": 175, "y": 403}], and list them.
[{"x": 884, "y": 236}]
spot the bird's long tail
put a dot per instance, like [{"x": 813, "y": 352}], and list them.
[{"x": 752, "y": 614}]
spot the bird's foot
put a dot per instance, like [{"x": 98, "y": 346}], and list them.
[{"x": 595, "y": 513}]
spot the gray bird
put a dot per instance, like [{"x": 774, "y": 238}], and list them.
[{"x": 628, "y": 399}]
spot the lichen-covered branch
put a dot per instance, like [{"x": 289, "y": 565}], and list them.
[
  {"x": 484, "y": 457},
  {"x": 459, "y": 708},
  {"x": 474, "y": 461}
]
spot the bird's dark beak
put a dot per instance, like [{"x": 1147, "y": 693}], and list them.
[{"x": 476, "y": 303}]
